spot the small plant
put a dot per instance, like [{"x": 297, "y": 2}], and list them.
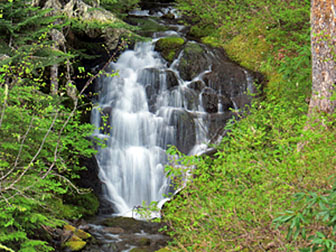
[
  {"x": 314, "y": 220},
  {"x": 146, "y": 211}
]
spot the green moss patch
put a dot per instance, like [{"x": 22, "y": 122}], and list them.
[
  {"x": 75, "y": 245},
  {"x": 169, "y": 47}
]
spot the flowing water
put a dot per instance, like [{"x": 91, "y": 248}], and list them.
[
  {"x": 140, "y": 111},
  {"x": 132, "y": 164}
]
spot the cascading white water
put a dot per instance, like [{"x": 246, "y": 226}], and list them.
[
  {"x": 132, "y": 164},
  {"x": 146, "y": 107}
]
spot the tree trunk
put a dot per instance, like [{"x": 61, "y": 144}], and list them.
[
  {"x": 323, "y": 42},
  {"x": 54, "y": 79}
]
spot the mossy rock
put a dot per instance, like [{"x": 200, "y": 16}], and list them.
[
  {"x": 193, "y": 48},
  {"x": 144, "y": 241},
  {"x": 146, "y": 26},
  {"x": 212, "y": 41},
  {"x": 75, "y": 245},
  {"x": 169, "y": 47},
  {"x": 194, "y": 61},
  {"x": 77, "y": 232}
]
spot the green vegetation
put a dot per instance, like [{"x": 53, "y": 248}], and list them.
[
  {"x": 169, "y": 47},
  {"x": 41, "y": 136},
  {"x": 241, "y": 199},
  {"x": 120, "y": 7}
]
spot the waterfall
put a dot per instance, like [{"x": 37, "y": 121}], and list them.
[
  {"x": 144, "y": 115},
  {"x": 147, "y": 105}
]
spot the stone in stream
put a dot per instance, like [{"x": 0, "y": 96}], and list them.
[
  {"x": 185, "y": 130},
  {"x": 141, "y": 235},
  {"x": 74, "y": 239}
]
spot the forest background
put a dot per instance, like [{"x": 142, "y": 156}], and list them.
[{"x": 240, "y": 199}]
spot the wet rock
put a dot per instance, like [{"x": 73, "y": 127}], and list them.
[
  {"x": 169, "y": 47},
  {"x": 216, "y": 122},
  {"x": 130, "y": 225},
  {"x": 210, "y": 100},
  {"x": 114, "y": 230},
  {"x": 225, "y": 102},
  {"x": 77, "y": 232},
  {"x": 232, "y": 82},
  {"x": 147, "y": 26},
  {"x": 144, "y": 242},
  {"x": 169, "y": 16},
  {"x": 150, "y": 77},
  {"x": 197, "y": 85},
  {"x": 171, "y": 79},
  {"x": 191, "y": 99},
  {"x": 193, "y": 61},
  {"x": 137, "y": 234},
  {"x": 185, "y": 130}
]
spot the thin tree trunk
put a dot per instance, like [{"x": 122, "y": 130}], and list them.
[
  {"x": 323, "y": 42},
  {"x": 54, "y": 79}
]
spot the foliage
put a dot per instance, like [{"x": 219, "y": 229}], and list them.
[
  {"x": 118, "y": 7},
  {"x": 41, "y": 135},
  {"x": 316, "y": 215},
  {"x": 21, "y": 26}
]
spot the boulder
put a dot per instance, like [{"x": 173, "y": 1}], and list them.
[
  {"x": 169, "y": 47},
  {"x": 74, "y": 239},
  {"x": 185, "y": 130},
  {"x": 146, "y": 26},
  {"x": 75, "y": 245},
  {"x": 194, "y": 61},
  {"x": 171, "y": 80}
]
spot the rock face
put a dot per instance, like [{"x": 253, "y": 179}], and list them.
[{"x": 222, "y": 84}]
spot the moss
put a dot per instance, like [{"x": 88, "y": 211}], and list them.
[
  {"x": 212, "y": 41},
  {"x": 75, "y": 245},
  {"x": 201, "y": 31},
  {"x": 169, "y": 47},
  {"x": 193, "y": 48},
  {"x": 163, "y": 250},
  {"x": 250, "y": 51},
  {"x": 77, "y": 232}
]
